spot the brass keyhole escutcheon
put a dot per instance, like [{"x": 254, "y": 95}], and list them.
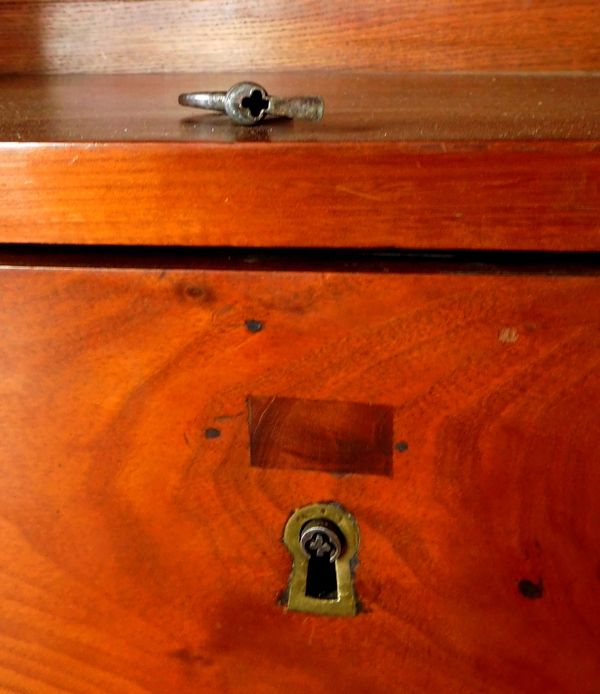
[{"x": 323, "y": 540}]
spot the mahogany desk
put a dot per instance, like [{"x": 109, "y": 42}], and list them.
[{"x": 407, "y": 293}]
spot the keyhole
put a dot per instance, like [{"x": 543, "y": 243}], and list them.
[
  {"x": 255, "y": 103},
  {"x": 321, "y": 578},
  {"x": 322, "y": 542}
]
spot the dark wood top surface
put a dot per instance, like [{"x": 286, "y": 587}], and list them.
[{"x": 358, "y": 107}]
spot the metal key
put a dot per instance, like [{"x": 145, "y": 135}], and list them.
[{"x": 247, "y": 103}]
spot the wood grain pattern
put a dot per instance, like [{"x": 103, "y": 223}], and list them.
[
  {"x": 140, "y": 557},
  {"x": 540, "y": 196},
  {"x": 358, "y": 107},
  {"x": 368, "y": 175},
  {"x": 320, "y": 435},
  {"x": 187, "y": 35}
]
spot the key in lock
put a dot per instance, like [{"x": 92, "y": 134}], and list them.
[{"x": 323, "y": 540}]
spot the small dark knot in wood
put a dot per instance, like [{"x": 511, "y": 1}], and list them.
[
  {"x": 254, "y": 326},
  {"x": 532, "y": 591}
]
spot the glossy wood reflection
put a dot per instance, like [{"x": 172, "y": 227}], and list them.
[
  {"x": 409, "y": 161},
  {"x": 358, "y": 107},
  {"x": 141, "y": 556}
]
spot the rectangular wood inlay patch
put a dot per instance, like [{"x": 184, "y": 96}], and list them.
[{"x": 321, "y": 435}]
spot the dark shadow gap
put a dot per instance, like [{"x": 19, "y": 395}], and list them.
[{"x": 302, "y": 259}]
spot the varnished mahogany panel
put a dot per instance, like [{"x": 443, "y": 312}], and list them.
[
  {"x": 321, "y": 435},
  {"x": 187, "y": 35},
  {"x": 513, "y": 195},
  {"x": 358, "y": 107},
  {"x": 140, "y": 556},
  {"x": 369, "y": 175}
]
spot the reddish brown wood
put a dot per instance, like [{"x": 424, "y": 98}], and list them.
[
  {"x": 140, "y": 556},
  {"x": 415, "y": 195},
  {"x": 161, "y": 35},
  {"x": 358, "y": 108},
  {"x": 343, "y": 182},
  {"x": 320, "y": 435}
]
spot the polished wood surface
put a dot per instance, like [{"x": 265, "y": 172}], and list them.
[
  {"x": 477, "y": 195},
  {"x": 384, "y": 107},
  {"x": 320, "y": 435},
  {"x": 141, "y": 556},
  {"x": 188, "y": 35},
  {"x": 399, "y": 160}
]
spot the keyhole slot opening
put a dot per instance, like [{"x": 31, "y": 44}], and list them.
[
  {"x": 323, "y": 542},
  {"x": 255, "y": 103},
  {"x": 321, "y": 579}
]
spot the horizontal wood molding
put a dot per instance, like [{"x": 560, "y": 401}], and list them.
[
  {"x": 141, "y": 551},
  {"x": 407, "y": 161},
  {"x": 520, "y": 196},
  {"x": 188, "y": 35}
]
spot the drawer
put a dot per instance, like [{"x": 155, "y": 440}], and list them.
[
  {"x": 160, "y": 426},
  {"x": 420, "y": 161}
]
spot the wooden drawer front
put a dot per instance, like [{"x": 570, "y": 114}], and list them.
[
  {"x": 483, "y": 196},
  {"x": 141, "y": 553}
]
